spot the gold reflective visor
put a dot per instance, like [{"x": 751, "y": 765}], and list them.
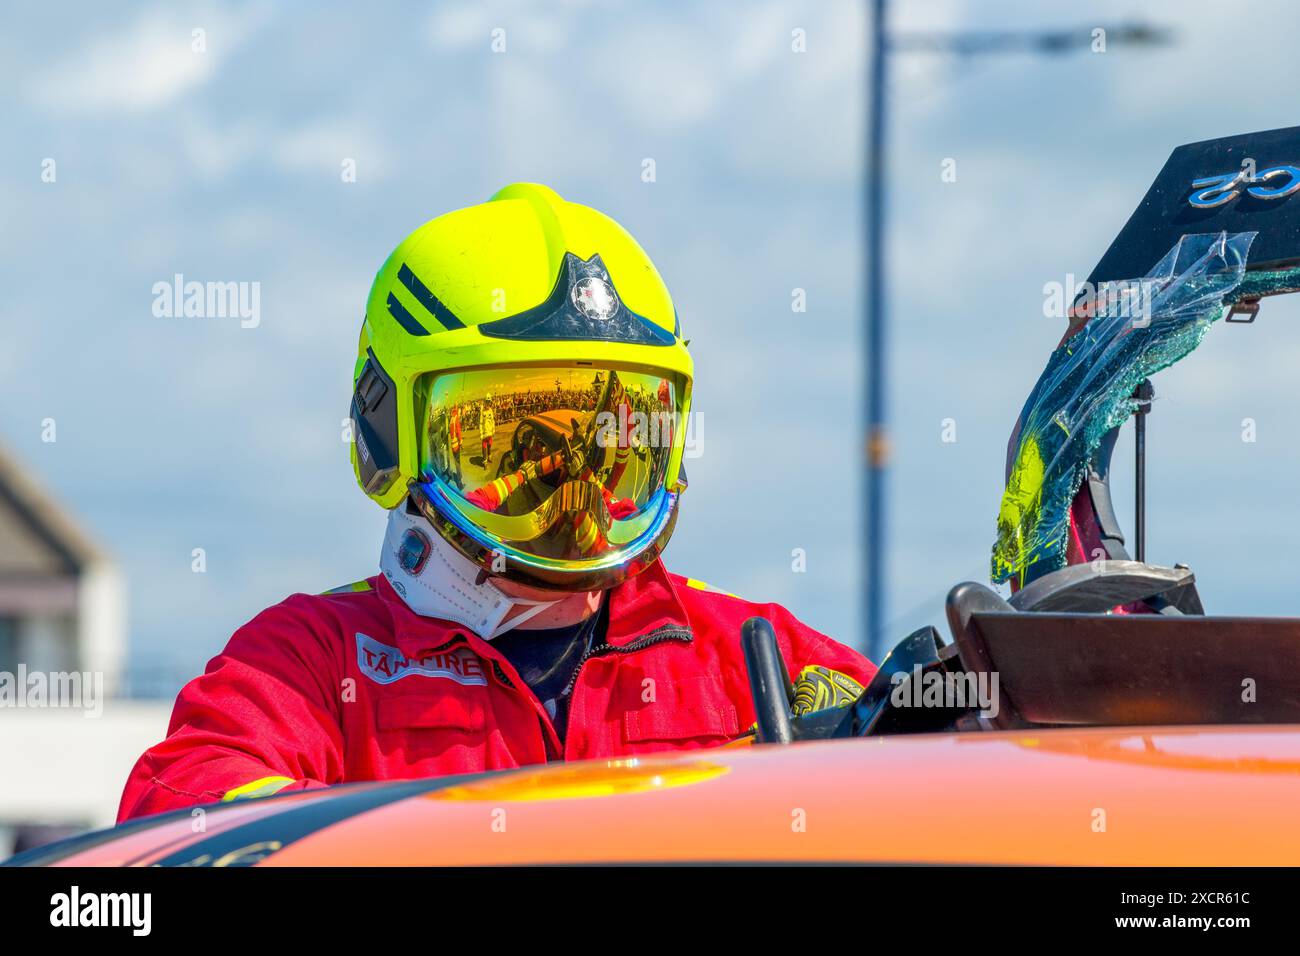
[{"x": 562, "y": 463}]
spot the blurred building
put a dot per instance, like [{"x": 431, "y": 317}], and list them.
[{"x": 67, "y": 737}]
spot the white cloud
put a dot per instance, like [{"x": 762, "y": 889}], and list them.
[
  {"x": 457, "y": 27},
  {"x": 533, "y": 28},
  {"x": 214, "y": 152},
  {"x": 322, "y": 147},
  {"x": 147, "y": 65}
]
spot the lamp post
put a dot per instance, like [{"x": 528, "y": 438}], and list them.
[{"x": 882, "y": 43}]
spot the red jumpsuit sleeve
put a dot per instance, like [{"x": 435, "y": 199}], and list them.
[
  {"x": 268, "y": 706},
  {"x": 803, "y": 646}
]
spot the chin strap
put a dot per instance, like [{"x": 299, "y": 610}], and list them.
[{"x": 436, "y": 580}]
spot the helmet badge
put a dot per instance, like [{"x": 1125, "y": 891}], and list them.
[{"x": 594, "y": 298}]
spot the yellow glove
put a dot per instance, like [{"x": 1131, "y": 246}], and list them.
[{"x": 820, "y": 688}]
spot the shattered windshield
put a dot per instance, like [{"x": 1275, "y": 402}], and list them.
[{"x": 1131, "y": 331}]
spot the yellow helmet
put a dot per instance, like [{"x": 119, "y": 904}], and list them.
[{"x": 574, "y": 477}]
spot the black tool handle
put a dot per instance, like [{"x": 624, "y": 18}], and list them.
[{"x": 769, "y": 681}]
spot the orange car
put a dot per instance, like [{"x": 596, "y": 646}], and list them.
[{"x": 1177, "y": 796}]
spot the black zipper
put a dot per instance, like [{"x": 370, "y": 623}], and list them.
[{"x": 658, "y": 636}]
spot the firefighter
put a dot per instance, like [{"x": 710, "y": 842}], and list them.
[{"x": 502, "y": 631}]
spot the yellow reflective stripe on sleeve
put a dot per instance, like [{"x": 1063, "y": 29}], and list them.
[
  {"x": 262, "y": 787},
  {"x": 701, "y": 586},
  {"x": 355, "y": 586}
]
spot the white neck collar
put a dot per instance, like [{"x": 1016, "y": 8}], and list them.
[{"x": 435, "y": 580}]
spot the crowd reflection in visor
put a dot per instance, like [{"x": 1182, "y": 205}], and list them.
[{"x": 571, "y": 450}]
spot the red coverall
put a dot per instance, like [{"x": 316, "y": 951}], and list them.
[{"x": 353, "y": 685}]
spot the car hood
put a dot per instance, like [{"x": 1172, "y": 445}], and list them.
[{"x": 1132, "y": 796}]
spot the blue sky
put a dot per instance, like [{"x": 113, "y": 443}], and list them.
[{"x": 224, "y": 165}]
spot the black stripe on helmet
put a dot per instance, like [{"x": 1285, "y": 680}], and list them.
[
  {"x": 404, "y": 318},
  {"x": 426, "y": 298}
]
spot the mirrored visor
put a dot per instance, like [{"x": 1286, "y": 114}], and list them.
[{"x": 565, "y": 463}]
